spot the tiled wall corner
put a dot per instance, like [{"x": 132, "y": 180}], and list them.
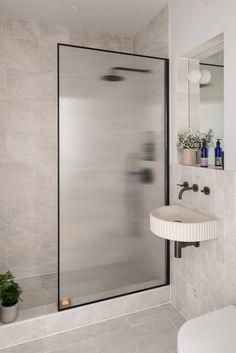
[
  {"x": 153, "y": 39},
  {"x": 204, "y": 278}
]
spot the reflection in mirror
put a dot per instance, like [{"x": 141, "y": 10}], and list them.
[{"x": 206, "y": 93}]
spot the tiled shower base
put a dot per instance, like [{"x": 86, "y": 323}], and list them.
[
  {"x": 152, "y": 330},
  {"x": 40, "y": 321},
  {"x": 56, "y": 323},
  {"x": 92, "y": 284},
  {"x": 88, "y": 285},
  {"x": 39, "y": 296}
]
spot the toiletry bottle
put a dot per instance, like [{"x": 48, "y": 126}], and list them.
[
  {"x": 218, "y": 155},
  {"x": 204, "y": 155}
]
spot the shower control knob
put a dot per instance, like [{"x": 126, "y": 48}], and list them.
[
  {"x": 206, "y": 190},
  {"x": 146, "y": 176}
]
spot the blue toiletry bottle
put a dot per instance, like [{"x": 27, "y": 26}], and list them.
[
  {"x": 204, "y": 155},
  {"x": 218, "y": 155}
]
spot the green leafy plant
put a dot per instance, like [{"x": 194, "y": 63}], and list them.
[
  {"x": 192, "y": 139},
  {"x": 10, "y": 291},
  {"x": 209, "y": 137}
]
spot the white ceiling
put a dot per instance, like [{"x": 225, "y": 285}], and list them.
[{"x": 124, "y": 17}]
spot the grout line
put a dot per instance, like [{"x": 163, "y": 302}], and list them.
[
  {"x": 104, "y": 320},
  {"x": 178, "y": 311},
  {"x": 44, "y": 317}
]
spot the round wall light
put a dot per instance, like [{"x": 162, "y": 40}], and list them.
[
  {"x": 194, "y": 76},
  {"x": 205, "y": 77}
]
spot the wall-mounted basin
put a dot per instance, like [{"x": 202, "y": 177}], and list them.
[{"x": 182, "y": 224}]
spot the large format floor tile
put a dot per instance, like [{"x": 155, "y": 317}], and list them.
[{"x": 152, "y": 330}]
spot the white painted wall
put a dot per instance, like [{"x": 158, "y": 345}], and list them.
[{"x": 191, "y": 24}]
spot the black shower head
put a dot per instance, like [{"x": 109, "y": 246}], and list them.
[{"x": 112, "y": 77}]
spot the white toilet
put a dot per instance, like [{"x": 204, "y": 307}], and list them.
[{"x": 211, "y": 333}]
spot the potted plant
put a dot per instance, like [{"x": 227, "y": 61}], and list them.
[
  {"x": 190, "y": 142},
  {"x": 10, "y": 293}
]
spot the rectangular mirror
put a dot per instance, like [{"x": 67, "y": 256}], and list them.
[{"x": 206, "y": 93}]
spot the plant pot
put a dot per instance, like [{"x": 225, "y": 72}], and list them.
[
  {"x": 189, "y": 157},
  {"x": 9, "y": 313}
]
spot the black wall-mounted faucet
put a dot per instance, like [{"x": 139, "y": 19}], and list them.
[{"x": 185, "y": 187}]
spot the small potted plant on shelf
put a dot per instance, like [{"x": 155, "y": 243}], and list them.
[
  {"x": 190, "y": 142},
  {"x": 10, "y": 293}
]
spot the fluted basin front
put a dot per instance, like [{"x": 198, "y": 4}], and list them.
[{"x": 179, "y": 223}]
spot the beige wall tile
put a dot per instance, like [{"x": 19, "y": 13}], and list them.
[
  {"x": 113, "y": 42},
  {"x": 20, "y": 116},
  {"x": 182, "y": 75},
  {"x": 95, "y": 40},
  {"x": 48, "y": 118},
  {"x": 3, "y": 261},
  {"x": 48, "y": 57},
  {"x": 22, "y": 85},
  {"x": 3, "y": 25},
  {"x": 26, "y": 177},
  {"x": 53, "y": 33},
  {"x": 47, "y": 86},
  {"x": 127, "y": 45},
  {"x": 3, "y": 146},
  {"x": 22, "y": 147},
  {"x": 31, "y": 85},
  {"x": 40, "y": 262},
  {"x": 3, "y": 83},
  {"x": 21, "y": 28},
  {"x": 19, "y": 54},
  {"x": 77, "y": 36}
]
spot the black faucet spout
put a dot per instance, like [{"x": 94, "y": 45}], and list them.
[{"x": 194, "y": 188}]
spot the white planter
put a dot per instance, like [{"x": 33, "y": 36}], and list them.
[
  {"x": 189, "y": 157},
  {"x": 9, "y": 313}
]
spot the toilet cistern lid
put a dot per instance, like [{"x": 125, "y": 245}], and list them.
[{"x": 210, "y": 333}]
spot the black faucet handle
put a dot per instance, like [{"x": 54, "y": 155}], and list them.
[
  {"x": 206, "y": 190},
  {"x": 184, "y": 185},
  {"x": 195, "y": 187}
]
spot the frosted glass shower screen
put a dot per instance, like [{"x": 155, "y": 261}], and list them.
[{"x": 112, "y": 172}]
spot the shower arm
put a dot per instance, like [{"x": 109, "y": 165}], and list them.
[{"x": 116, "y": 68}]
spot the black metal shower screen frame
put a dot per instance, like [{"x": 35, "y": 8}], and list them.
[{"x": 166, "y": 146}]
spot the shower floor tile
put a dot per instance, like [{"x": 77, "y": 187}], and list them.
[
  {"x": 152, "y": 330},
  {"x": 83, "y": 286},
  {"x": 92, "y": 284}
]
